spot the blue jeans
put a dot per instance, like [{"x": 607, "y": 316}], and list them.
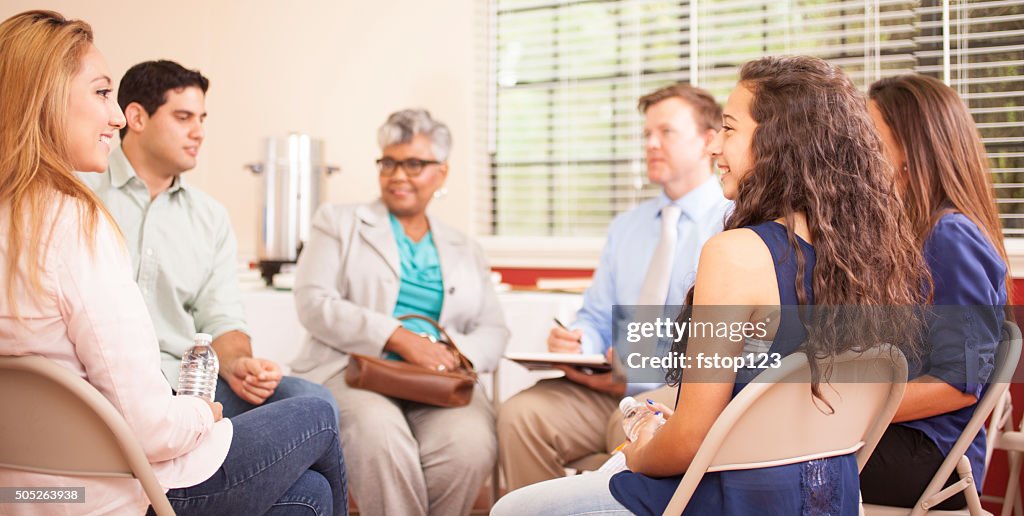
[
  {"x": 290, "y": 387},
  {"x": 284, "y": 459}
]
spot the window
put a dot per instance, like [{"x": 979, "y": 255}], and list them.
[{"x": 566, "y": 153}]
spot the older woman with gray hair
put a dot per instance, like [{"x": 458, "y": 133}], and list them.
[{"x": 365, "y": 266}]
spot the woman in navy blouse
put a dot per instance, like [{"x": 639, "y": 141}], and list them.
[
  {"x": 800, "y": 158},
  {"x": 943, "y": 176}
]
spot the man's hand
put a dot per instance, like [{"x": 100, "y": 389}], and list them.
[
  {"x": 604, "y": 382},
  {"x": 561, "y": 340},
  {"x": 599, "y": 382},
  {"x": 252, "y": 379}
]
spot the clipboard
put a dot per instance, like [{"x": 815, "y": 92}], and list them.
[{"x": 546, "y": 361}]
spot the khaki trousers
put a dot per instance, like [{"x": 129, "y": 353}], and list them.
[
  {"x": 412, "y": 459},
  {"x": 558, "y": 421}
]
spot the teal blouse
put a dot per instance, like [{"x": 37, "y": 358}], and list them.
[{"x": 422, "y": 288}]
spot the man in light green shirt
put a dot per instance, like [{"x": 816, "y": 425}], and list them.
[{"x": 182, "y": 245}]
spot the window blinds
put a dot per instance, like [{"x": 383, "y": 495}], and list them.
[{"x": 566, "y": 154}]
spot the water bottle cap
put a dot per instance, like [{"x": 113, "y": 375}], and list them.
[
  {"x": 202, "y": 339},
  {"x": 627, "y": 403}
]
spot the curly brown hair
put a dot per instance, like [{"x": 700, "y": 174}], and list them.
[{"x": 816, "y": 152}]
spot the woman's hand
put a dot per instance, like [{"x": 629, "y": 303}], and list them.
[
  {"x": 431, "y": 355},
  {"x": 654, "y": 406},
  {"x": 217, "y": 409},
  {"x": 421, "y": 351},
  {"x": 650, "y": 424}
]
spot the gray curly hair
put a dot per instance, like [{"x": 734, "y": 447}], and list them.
[{"x": 403, "y": 125}]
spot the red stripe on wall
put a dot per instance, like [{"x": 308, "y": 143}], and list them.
[{"x": 528, "y": 277}]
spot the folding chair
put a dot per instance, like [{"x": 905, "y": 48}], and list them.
[
  {"x": 54, "y": 422},
  {"x": 1002, "y": 436},
  {"x": 865, "y": 389},
  {"x": 1006, "y": 362}
]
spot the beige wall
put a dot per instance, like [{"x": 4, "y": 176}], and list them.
[{"x": 332, "y": 69}]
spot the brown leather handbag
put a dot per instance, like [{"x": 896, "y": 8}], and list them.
[{"x": 412, "y": 382}]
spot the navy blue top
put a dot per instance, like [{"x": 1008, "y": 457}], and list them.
[
  {"x": 813, "y": 487},
  {"x": 965, "y": 326}
]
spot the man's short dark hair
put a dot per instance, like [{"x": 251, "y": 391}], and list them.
[
  {"x": 706, "y": 110},
  {"x": 148, "y": 83}
]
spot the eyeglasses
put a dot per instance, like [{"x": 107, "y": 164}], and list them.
[{"x": 412, "y": 166}]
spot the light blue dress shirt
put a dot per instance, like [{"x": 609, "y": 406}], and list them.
[{"x": 632, "y": 238}]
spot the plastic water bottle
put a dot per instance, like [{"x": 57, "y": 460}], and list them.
[
  {"x": 199, "y": 367},
  {"x": 633, "y": 413}
]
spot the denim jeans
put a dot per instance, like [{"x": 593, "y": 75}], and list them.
[
  {"x": 284, "y": 459},
  {"x": 567, "y": 496},
  {"x": 290, "y": 387}
]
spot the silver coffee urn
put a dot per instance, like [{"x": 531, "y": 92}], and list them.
[{"x": 292, "y": 173}]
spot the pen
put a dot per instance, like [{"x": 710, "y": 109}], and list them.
[
  {"x": 584, "y": 370},
  {"x": 564, "y": 327}
]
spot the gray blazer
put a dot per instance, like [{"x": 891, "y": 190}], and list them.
[{"x": 346, "y": 288}]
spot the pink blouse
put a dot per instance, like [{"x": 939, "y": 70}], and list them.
[{"x": 91, "y": 319}]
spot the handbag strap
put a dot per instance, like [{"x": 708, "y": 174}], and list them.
[{"x": 445, "y": 339}]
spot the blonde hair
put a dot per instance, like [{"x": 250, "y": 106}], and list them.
[{"x": 40, "y": 52}]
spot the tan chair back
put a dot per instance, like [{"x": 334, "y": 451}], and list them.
[
  {"x": 54, "y": 422},
  {"x": 775, "y": 420}
]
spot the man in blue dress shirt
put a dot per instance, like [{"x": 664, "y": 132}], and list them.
[{"x": 561, "y": 420}]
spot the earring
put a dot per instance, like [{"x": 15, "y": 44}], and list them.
[{"x": 441, "y": 192}]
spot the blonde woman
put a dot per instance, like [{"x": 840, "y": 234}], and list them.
[{"x": 69, "y": 296}]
